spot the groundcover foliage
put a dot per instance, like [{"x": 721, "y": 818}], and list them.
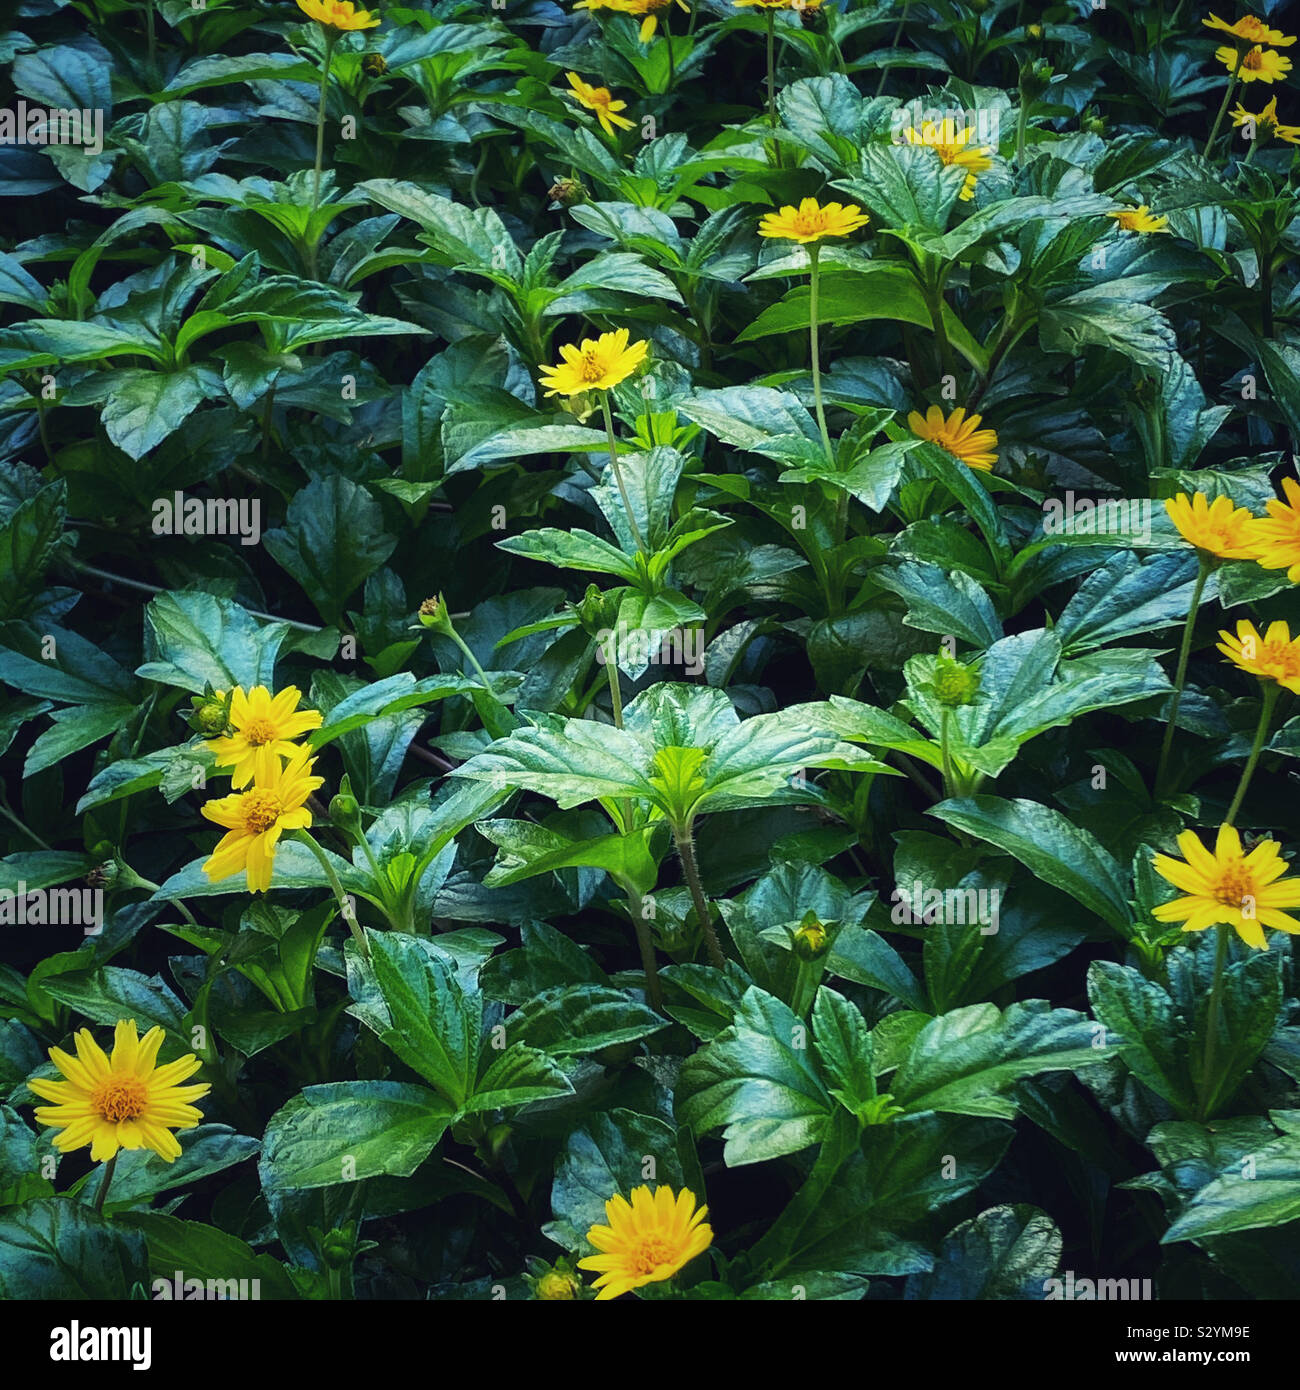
[{"x": 618, "y": 607}]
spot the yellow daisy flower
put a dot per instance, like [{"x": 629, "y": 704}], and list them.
[
  {"x": 338, "y": 14},
  {"x": 649, "y": 9},
  {"x": 1277, "y": 536},
  {"x": 1218, "y": 528},
  {"x": 1273, "y": 657},
  {"x": 255, "y": 819},
  {"x": 124, "y": 1101},
  {"x": 1266, "y": 124},
  {"x": 953, "y": 147},
  {"x": 1251, "y": 29},
  {"x": 647, "y": 1240},
  {"x": 1246, "y": 892},
  {"x": 1256, "y": 65},
  {"x": 810, "y": 221},
  {"x": 599, "y": 364},
  {"x": 1139, "y": 219},
  {"x": 601, "y": 101},
  {"x": 264, "y": 729},
  {"x": 962, "y": 437}
]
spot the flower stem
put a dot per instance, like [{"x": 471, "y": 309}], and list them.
[
  {"x": 686, "y": 849},
  {"x": 1207, "y": 1088},
  {"x": 1227, "y": 97},
  {"x": 814, "y": 260},
  {"x": 1270, "y": 693},
  {"x": 898, "y": 34},
  {"x": 103, "y": 1186},
  {"x": 1180, "y": 675},
  {"x": 618, "y": 476},
  {"x": 645, "y": 944},
  {"x": 770, "y": 16},
  {"x": 330, "y": 40},
  {"x": 346, "y": 909},
  {"x": 672, "y": 62},
  {"x": 949, "y": 781}
]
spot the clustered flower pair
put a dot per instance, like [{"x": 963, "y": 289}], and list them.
[
  {"x": 259, "y": 749},
  {"x": 1254, "y": 63},
  {"x": 1221, "y": 530}
]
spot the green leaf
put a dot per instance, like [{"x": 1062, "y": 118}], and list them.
[
  {"x": 1007, "y": 1252},
  {"x": 346, "y": 1131},
  {"x": 757, "y": 1082},
  {"x": 1264, "y": 1192},
  {"x": 203, "y": 1252},
  {"x": 193, "y": 640},
  {"x": 144, "y": 407},
  {"x": 577, "y": 1019},
  {"x": 333, "y": 537},
  {"x": 965, "y": 1060},
  {"x": 55, "y": 1248},
  {"x": 205, "y": 1150},
  {"x": 1059, "y": 852}
]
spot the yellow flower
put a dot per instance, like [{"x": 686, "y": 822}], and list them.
[
  {"x": 1273, "y": 657},
  {"x": 557, "y": 1286},
  {"x": 647, "y": 1240},
  {"x": 338, "y": 14},
  {"x": 599, "y": 100},
  {"x": 1217, "y": 528},
  {"x": 255, "y": 819},
  {"x": 648, "y": 8},
  {"x": 950, "y": 144},
  {"x": 1256, "y": 65},
  {"x": 119, "y": 1102},
  {"x": 810, "y": 221},
  {"x": 1139, "y": 219},
  {"x": 1246, "y": 892},
  {"x": 1249, "y": 28},
  {"x": 1266, "y": 124},
  {"x": 962, "y": 437},
  {"x": 264, "y": 729},
  {"x": 599, "y": 364},
  {"x": 1277, "y": 536},
  {"x": 778, "y": 4}
]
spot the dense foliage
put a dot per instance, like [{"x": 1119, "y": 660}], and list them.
[{"x": 589, "y": 627}]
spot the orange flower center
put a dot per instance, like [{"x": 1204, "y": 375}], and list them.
[
  {"x": 601, "y": 96},
  {"x": 120, "y": 1098},
  {"x": 811, "y": 223},
  {"x": 592, "y": 368},
  {"x": 259, "y": 731},
  {"x": 1235, "y": 885},
  {"x": 1251, "y": 28},
  {"x": 649, "y": 1253},
  {"x": 1254, "y": 60},
  {"x": 1282, "y": 657},
  {"x": 261, "y": 810}
]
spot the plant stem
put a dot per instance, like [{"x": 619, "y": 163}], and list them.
[
  {"x": 949, "y": 781},
  {"x": 1180, "y": 675},
  {"x": 645, "y": 944},
  {"x": 1207, "y": 1090},
  {"x": 618, "y": 476},
  {"x": 345, "y": 906},
  {"x": 770, "y": 16},
  {"x": 1271, "y": 691},
  {"x": 1265, "y": 286},
  {"x": 1021, "y": 121},
  {"x": 151, "y": 37},
  {"x": 103, "y": 1186},
  {"x": 814, "y": 261},
  {"x": 898, "y": 34},
  {"x": 1227, "y": 97},
  {"x": 686, "y": 849},
  {"x": 330, "y": 40},
  {"x": 672, "y": 61}
]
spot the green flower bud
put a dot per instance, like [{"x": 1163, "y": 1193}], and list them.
[
  {"x": 566, "y": 193},
  {"x": 210, "y": 715},
  {"x": 345, "y": 812},
  {"x": 954, "y": 683},
  {"x": 1034, "y": 31},
  {"x": 811, "y": 940},
  {"x": 433, "y": 614},
  {"x": 557, "y": 1286},
  {"x": 373, "y": 65}
]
